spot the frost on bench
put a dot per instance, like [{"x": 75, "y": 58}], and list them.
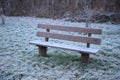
[{"x": 85, "y": 51}]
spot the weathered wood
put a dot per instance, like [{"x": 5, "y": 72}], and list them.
[
  {"x": 85, "y": 52},
  {"x": 46, "y": 38},
  {"x": 42, "y": 50},
  {"x": 69, "y": 37},
  {"x": 72, "y": 29},
  {"x": 84, "y": 57},
  {"x": 64, "y": 46},
  {"x": 88, "y": 44}
]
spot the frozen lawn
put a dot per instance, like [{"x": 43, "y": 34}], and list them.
[{"x": 20, "y": 61}]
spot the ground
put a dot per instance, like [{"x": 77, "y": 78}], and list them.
[{"x": 20, "y": 61}]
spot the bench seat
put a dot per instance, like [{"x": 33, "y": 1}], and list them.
[
  {"x": 50, "y": 31},
  {"x": 64, "y": 46}
]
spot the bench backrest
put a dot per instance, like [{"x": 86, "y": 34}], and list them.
[{"x": 89, "y": 40}]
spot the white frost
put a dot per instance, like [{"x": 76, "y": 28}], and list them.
[{"x": 20, "y": 60}]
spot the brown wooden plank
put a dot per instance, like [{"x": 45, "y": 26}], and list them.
[
  {"x": 85, "y": 57},
  {"x": 72, "y": 29},
  {"x": 64, "y": 46},
  {"x": 42, "y": 50},
  {"x": 69, "y": 37},
  {"x": 88, "y": 44}
]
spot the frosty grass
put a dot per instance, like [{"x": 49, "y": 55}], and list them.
[{"x": 20, "y": 61}]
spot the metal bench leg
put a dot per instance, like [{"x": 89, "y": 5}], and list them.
[
  {"x": 42, "y": 51},
  {"x": 85, "y": 57}
]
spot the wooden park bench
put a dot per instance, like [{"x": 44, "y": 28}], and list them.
[{"x": 85, "y": 51}]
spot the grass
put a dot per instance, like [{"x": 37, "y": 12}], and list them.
[{"x": 18, "y": 56}]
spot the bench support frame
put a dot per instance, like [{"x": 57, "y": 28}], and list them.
[
  {"x": 88, "y": 40},
  {"x": 42, "y": 51},
  {"x": 85, "y": 57}
]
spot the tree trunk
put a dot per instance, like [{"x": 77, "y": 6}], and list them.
[{"x": 3, "y": 19}]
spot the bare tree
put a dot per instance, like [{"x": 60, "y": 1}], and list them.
[
  {"x": 2, "y": 16},
  {"x": 88, "y": 11}
]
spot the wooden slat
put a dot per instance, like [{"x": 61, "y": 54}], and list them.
[
  {"x": 63, "y": 46},
  {"x": 73, "y": 29},
  {"x": 69, "y": 37}
]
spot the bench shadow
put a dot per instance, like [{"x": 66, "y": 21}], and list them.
[{"x": 69, "y": 60}]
